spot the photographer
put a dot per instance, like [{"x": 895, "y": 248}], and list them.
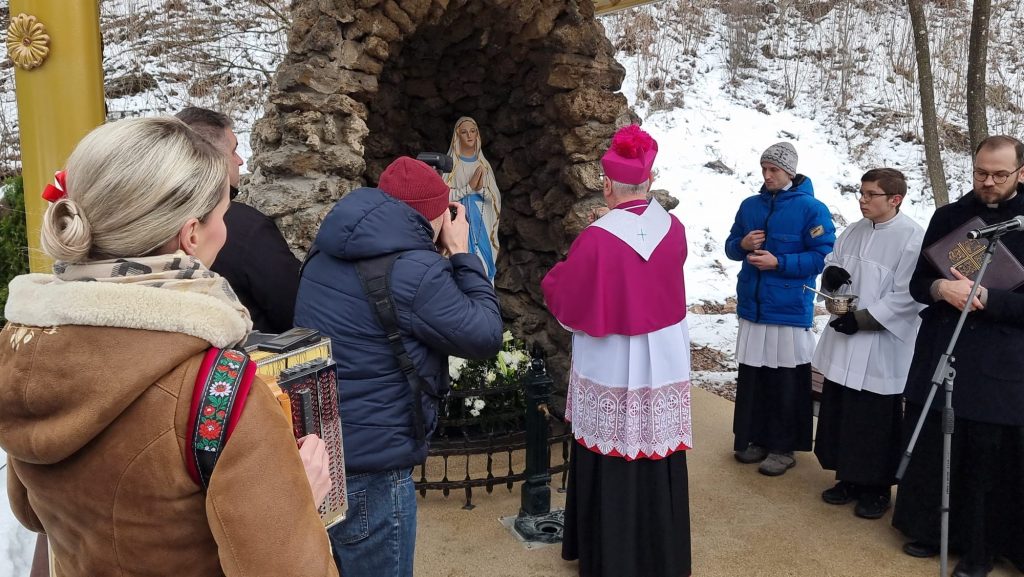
[{"x": 382, "y": 241}]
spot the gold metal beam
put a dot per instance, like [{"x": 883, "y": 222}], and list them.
[
  {"x": 59, "y": 85},
  {"x": 603, "y": 7}
]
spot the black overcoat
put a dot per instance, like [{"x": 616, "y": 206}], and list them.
[{"x": 989, "y": 355}]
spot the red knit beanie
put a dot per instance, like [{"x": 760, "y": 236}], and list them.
[{"x": 415, "y": 184}]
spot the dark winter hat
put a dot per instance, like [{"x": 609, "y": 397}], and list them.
[
  {"x": 783, "y": 155},
  {"x": 415, "y": 184}
]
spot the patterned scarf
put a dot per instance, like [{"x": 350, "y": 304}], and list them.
[{"x": 177, "y": 271}]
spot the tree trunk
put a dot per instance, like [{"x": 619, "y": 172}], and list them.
[
  {"x": 933, "y": 155},
  {"x": 977, "y": 65}
]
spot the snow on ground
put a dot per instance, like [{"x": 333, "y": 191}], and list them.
[
  {"x": 717, "y": 123},
  {"x": 711, "y": 126},
  {"x": 16, "y": 543}
]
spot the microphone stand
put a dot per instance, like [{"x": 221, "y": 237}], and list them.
[{"x": 945, "y": 373}]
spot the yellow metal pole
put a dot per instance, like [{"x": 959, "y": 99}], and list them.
[
  {"x": 59, "y": 84},
  {"x": 605, "y": 7}
]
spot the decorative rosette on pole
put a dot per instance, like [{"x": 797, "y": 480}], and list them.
[{"x": 28, "y": 44}]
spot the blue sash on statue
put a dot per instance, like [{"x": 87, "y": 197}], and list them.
[{"x": 479, "y": 240}]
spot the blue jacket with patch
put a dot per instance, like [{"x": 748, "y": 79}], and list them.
[
  {"x": 444, "y": 307},
  {"x": 799, "y": 233}
]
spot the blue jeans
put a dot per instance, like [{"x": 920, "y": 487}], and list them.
[{"x": 378, "y": 536}]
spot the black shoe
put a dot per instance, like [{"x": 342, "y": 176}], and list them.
[
  {"x": 920, "y": 549},
  {"x": 872, "y": 505},
  {"x": 967, "y": 568},
  {"x": 841, "y": 494}
]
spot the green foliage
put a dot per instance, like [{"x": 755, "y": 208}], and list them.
[{"x": 13, "y": 236}]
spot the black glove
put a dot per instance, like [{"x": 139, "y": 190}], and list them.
[
  {"x": 846, "y": 324},
  {"x": 834, "y": 277}
]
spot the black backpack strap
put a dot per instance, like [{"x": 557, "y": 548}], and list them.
[
  {"x": 313, "y": 251},
  {"x": 375, "y": 275}
]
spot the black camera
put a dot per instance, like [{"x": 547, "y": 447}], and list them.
[{"x": 442, "y": 163}]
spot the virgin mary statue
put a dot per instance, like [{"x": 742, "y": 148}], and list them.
[{"x": 472, "y": 184}]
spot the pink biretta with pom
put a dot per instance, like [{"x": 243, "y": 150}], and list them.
[{"x": 630, "y": 157}]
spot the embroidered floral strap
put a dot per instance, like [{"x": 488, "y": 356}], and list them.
[{"x": 222, "y": 384}]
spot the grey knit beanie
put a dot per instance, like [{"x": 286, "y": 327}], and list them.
[{"x": 783, "y": 155}]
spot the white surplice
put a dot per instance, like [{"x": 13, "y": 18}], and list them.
[{"x": 880, "y": 259}]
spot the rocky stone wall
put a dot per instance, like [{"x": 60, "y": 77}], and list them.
[{"x": 368, "y": 80}]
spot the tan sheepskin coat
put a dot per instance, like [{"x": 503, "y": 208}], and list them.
[{"x": 94, "y": 404}]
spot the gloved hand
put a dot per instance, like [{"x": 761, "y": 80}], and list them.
[
  {"x": 834, "y": 277},
  {"x": 846, "y": 324}
]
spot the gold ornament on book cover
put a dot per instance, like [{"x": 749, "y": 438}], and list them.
[{"x": 966, "y": 255}]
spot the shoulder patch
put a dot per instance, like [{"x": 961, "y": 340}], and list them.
[{"x": 817, "y": 231}]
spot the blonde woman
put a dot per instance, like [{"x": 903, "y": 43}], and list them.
[
  {"x": 99, "y": 365},
  {"x": 472, "y": 184}
]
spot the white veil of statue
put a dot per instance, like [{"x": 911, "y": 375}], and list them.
[{"x": 472, "y": 184}]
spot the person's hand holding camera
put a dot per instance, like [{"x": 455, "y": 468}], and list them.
[{"x": 454, "y": 237}]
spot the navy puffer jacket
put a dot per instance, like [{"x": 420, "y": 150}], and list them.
[
  {"x": 799, "y": 233},
  {"x": 444, "y": 306}
]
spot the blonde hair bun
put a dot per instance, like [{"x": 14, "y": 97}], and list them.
[
  {"x": 131, "y": 186},
  {"x": 65, "y": 232}
]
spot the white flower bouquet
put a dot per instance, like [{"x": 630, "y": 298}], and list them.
[{"x": 491, "y": 387}]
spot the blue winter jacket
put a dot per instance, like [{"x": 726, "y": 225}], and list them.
[
  {"x": 444, "y": 307},
  {"x": 799, "y": 232}
]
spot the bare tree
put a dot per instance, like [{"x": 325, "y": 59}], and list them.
[
  {"x": 932, "y": 153},
  {"x": 977, "y": 59}
]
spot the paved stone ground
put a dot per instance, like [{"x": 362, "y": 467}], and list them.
[{"x": 743, "y": 524}]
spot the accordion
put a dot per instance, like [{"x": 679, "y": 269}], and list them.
[{"x": 305, "y": 383}]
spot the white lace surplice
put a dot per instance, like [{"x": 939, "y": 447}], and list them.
[{"x": 630, "y": 395}]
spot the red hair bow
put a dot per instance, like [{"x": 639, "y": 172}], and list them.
[{"x": 57, "y": 190}]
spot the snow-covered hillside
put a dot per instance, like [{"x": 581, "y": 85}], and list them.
[{"x": 162, "y": 55}]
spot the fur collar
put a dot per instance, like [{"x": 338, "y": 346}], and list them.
[{"x": 42, "y": 300}]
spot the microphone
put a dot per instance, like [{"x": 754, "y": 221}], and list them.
[{"x": 1015, "y": 223}]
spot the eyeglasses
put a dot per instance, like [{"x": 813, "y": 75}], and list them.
[
  {"x": 997, "y": 177},
  {"x": 861, "y": 195}
]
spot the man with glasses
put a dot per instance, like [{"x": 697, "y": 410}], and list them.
[
  {"x": 987, "y": 476},
  {"x": 865, "y": 354}
]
